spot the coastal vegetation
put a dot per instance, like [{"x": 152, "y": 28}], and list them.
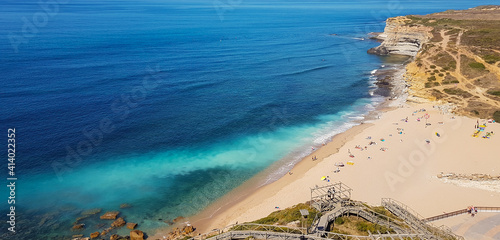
[
  {"x": 288, "y": 215},
  {"x": 460, "y": 61},
  {"x": 353, "y": 225}
]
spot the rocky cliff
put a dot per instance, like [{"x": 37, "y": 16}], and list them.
[
  {"x": 402, "y": 38},
  {"x": 456, "y": 57}
]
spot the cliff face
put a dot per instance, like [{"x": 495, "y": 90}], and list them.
[
  {"x": 402, "y": 38},
  {"x": 456, "y": 58}
]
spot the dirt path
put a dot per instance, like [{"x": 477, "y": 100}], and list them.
[{"x": 465, "y": 84}]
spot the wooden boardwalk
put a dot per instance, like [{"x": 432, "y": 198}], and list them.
[
  {"x": 461, "y": 211},
  {"x": 333, "y": 201}
]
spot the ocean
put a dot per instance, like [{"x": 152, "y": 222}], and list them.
[{"x": 169, "y": 105}]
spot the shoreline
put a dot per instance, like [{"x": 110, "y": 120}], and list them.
[
  {"x": 422, "y": 184},
  {"x": 246, "y": 204},
  {"x": 209, "y": 218}
]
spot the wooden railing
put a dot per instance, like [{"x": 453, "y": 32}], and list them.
[
  {"x": 445, "y": 215},
  {"x": 459, "y": 212}
]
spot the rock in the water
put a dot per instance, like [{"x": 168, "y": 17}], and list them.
[
  {"x": 78, "y": 219},
  {"x": 136, "y": 235},
  {"x": 114, "y": 237},
  {"x": 91, "y": 211},
  {"x": 178, "y": 219},
  {"x": 125, "y": 205},
  {"x": 94, "y": 235},
  {"x": 110, "y": 215},
  {"x": 131, "y": 225},
  {"x": 380, "y": 50},
  {"x": 118, "y": 223},
  {"x": 78, "y": 226},
  {"x": 106, "y": 231}
]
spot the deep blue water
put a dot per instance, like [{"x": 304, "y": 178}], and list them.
[{"x": 167, "y": 106}]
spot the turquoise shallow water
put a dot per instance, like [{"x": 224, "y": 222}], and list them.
[{"x": 168, "y": 106}]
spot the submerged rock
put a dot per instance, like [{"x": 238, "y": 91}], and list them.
[
  {"x": 110, "y": 215},
  {"x": 114, "y": 237},
  {"x": 118, "y": 223},
  {"x": 91, "y": 211},
  {"x": 131, "y": 225},
  {"x": 125, "y": 205},
  {"x": 94, "y": 235},
  {"x": 78, "y": 226},
  {"x": 136, "y": 235},
  {"x": 106, "y": 231}
]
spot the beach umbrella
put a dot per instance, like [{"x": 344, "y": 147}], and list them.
[{"x": 323, "y": 178}]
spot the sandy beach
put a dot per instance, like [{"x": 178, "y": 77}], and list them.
[{"x": 402, "y": 162}]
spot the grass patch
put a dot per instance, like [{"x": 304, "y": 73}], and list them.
[
  {"x": 264, "y": 228},
  {"x": 282, "y": 217},
  {"x": 496, "y": 116},
  {"x": 457, "y": 92},
  {"x": 357, "y": 226},
  {"x": 476, "y": 65},
  {"x": 491, "y": 58},
  {"x": 494, "y": 92}
]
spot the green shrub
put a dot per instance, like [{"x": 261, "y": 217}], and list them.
[
  {"x": 267, "y": 220},
  {"x": 288, "y": 215},
  {"x": 494, "y": 92},
  {"x": 491, "y": 58},
  {"x": 441, "y": 75},
  {"x": 496, "y": 116},
  {"x": 477, "y": 65},
  {"x": 458, "y": 92},
  {"x": 431, "y": 78},
  {"x": 433, "y": 66},
  {"x": 340, "y": 220}
]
